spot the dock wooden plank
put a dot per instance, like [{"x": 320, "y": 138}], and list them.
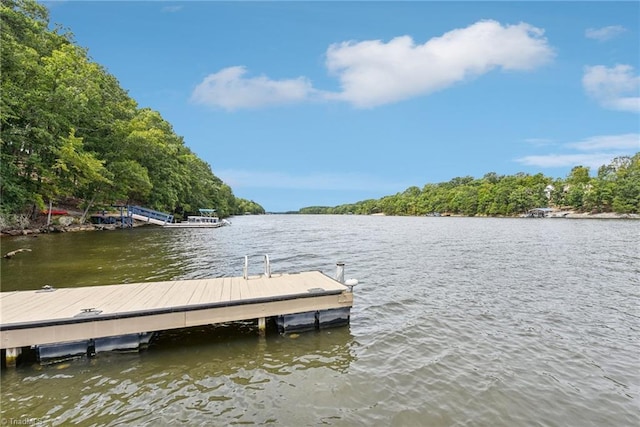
[
  {"x": 163, "y": 295},
  {"x": 257, "y": 289},
  {"x": 169, "y": 295},
  {"x": 225, "y": 295},
  {"x": 236, "y": 291},
  {"x": 286, "y": 285},
  {"x": 12, "y": 304},
  {"x": 191, "y": 288},
  {"x": 246, "y": 291},
  {"x": 235, "y": 288},
  {"x": 197, "y": 296},
  {"x": 212, "y": 291},
  {"x": 26, "y": 316},
  {"x": 117, "y": 299},
  {"x": 35, "y": 305},
  {"x": 64, "y": 302},
  {"x": 104, "y": 298},
  {"x": 71, "y": 303},
  {"x": 142, "y": 294}
]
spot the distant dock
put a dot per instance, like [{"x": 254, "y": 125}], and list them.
[{"x": 74, "y": 321}]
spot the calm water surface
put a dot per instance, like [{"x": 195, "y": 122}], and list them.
[{"x": 457, "y": 321}]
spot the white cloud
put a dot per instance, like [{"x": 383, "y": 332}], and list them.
[
  {"x": 605, "y": 33},
  {"x": 615, "y": 88},
  {"x": 229, "y": 89},
  {"x": 318, "y": 181},
  {"x": 592, "y": 152},
  {"x": 591, "y": 160},
  {"x": 609, "y": 142},
  {"x": 372, "y": 72}
]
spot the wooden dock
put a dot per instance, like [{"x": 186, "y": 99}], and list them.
[{"x": 51, "y": 316}]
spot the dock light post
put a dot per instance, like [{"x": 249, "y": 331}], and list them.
[
  {"x": 340, "y": 277},
  {"x": 340, "y": 272}
]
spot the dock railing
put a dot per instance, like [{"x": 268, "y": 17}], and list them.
[{"x": 267, "y": 267}]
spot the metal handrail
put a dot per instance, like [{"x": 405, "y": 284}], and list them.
[{"x": 267, "y": 267}]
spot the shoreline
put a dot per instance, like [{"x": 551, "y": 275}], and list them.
[
  {"x": 587, "y": 215},
  {"x": 554, "y": 215},
  {"x": 104, "y": 227},
  {"x": 56, "y": 229}
]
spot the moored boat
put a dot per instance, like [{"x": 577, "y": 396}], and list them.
[{"x": 206, "y": 219}]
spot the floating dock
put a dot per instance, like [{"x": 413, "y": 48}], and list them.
[{"x": 97, "y": 318}]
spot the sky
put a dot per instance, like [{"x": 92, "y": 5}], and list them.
[{"x": 297, "y": 104}]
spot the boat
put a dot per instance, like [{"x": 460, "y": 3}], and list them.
[
  {"x": 54, "y": 212},
  {"x": 206, "y": 219},
  {"x": 537, "y": 213}
]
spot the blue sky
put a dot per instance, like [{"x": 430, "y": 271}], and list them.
[{"x": 298, "y": 104}]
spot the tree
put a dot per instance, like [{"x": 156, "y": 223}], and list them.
[
  {"x": 25, "y": 135},
  {"x": 69, "y": 130},
  {"x": 627, "y": 189}
]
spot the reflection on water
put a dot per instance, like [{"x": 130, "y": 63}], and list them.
[
  {"x": 90, "y": 258},
  {"x": 457, "y": 321},
  {"x": 187, "y": 376}
]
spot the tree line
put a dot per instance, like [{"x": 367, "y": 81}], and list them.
[
  {"x": 71, "y": 132},
  {"x": 615, "y": 188}
]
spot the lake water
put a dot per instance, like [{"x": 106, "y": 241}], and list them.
[{"x": 457, "y": 321}]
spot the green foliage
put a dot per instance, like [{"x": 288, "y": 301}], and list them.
[
  {"x": 248, "y": 207},
  {"x": 75, "y": 168},
  {"x": 626, "y": 194},
  {"x": 68, "y": 130},
  {"x": 615, "y": 188}
]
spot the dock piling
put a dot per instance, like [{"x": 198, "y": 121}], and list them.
[{"x": 11, "y": 358}]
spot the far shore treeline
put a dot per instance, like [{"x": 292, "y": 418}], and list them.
[
  {"x": 71, "y": 135},
  {"x": 615, "y": 188}
]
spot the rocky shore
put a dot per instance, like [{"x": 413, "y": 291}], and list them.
[
  {"x": 57, "y": 229},
  {"x": 587, "y": 215},
  {"x": 59, "y": 224}
]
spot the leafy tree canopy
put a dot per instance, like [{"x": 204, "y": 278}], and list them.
[
  {"x": 616, "y": 188},
  {"x": 69, "y": 131}
]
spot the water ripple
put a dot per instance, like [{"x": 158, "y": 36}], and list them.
[{"x": 457, "y": 321}]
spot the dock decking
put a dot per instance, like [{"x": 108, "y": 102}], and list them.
[{"x": 30, "y": 318}]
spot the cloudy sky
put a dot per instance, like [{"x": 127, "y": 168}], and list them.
[{"x": 298, "y": 104}]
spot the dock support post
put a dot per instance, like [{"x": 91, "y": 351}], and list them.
[
  {"x": 262, "y": 326},
  {"x": 11, "y": 357},
  {"x": 340, "y": 272}
]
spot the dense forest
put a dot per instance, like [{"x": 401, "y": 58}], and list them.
[
  {"x": 70, "y": 134},
  {"x": 615, "y": 188}
]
